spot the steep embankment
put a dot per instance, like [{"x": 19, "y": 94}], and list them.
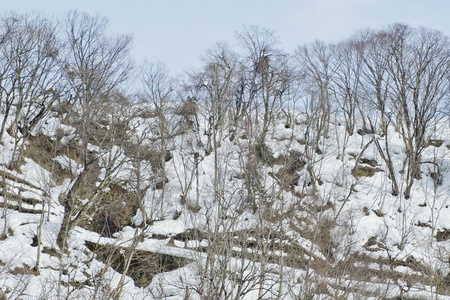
[{"x": 294, "y": 216}]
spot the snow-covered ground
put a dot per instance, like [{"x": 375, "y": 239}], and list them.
[{"x": 387, "y": 233}]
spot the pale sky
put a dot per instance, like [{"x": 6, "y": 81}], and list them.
[{"x": 177, "y": 32}]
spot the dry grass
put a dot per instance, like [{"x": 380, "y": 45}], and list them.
[
  {"x": 114, "y": 211},
  {"x": 365, "y": 171},
  {"x": 144, "y": 265}
]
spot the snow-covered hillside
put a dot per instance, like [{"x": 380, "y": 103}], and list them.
[
  {"x": 322, "y": 174},
  {"x": 344, "y": 235}
]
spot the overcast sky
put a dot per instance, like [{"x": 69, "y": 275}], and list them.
[{"x": 177, "y": 32}]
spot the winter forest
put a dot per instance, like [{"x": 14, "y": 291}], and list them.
[{"x": 318, "y": 174}]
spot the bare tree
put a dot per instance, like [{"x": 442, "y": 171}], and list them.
[
  {"x": 107, "y": 160},
  {"x": 345, "y": 81},
  {"x": 213, "y": 88},
  {"x": 46, "y": 183},
  {"x": 95, "y": 65},
  {"x": 159, "y": 89},
  {"x": 375, "y": 87},
  {"x": 315, "y": 64},
  {"x": 29, "y": 73},
  {"x": 230, "y": 267},
  {"x": 375, "y": 76},
  {"x": 419, "y": 70},
  {"x": 269, "y": 74}
]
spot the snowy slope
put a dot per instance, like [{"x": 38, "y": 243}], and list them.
[{"x": 343, "y": 235}]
